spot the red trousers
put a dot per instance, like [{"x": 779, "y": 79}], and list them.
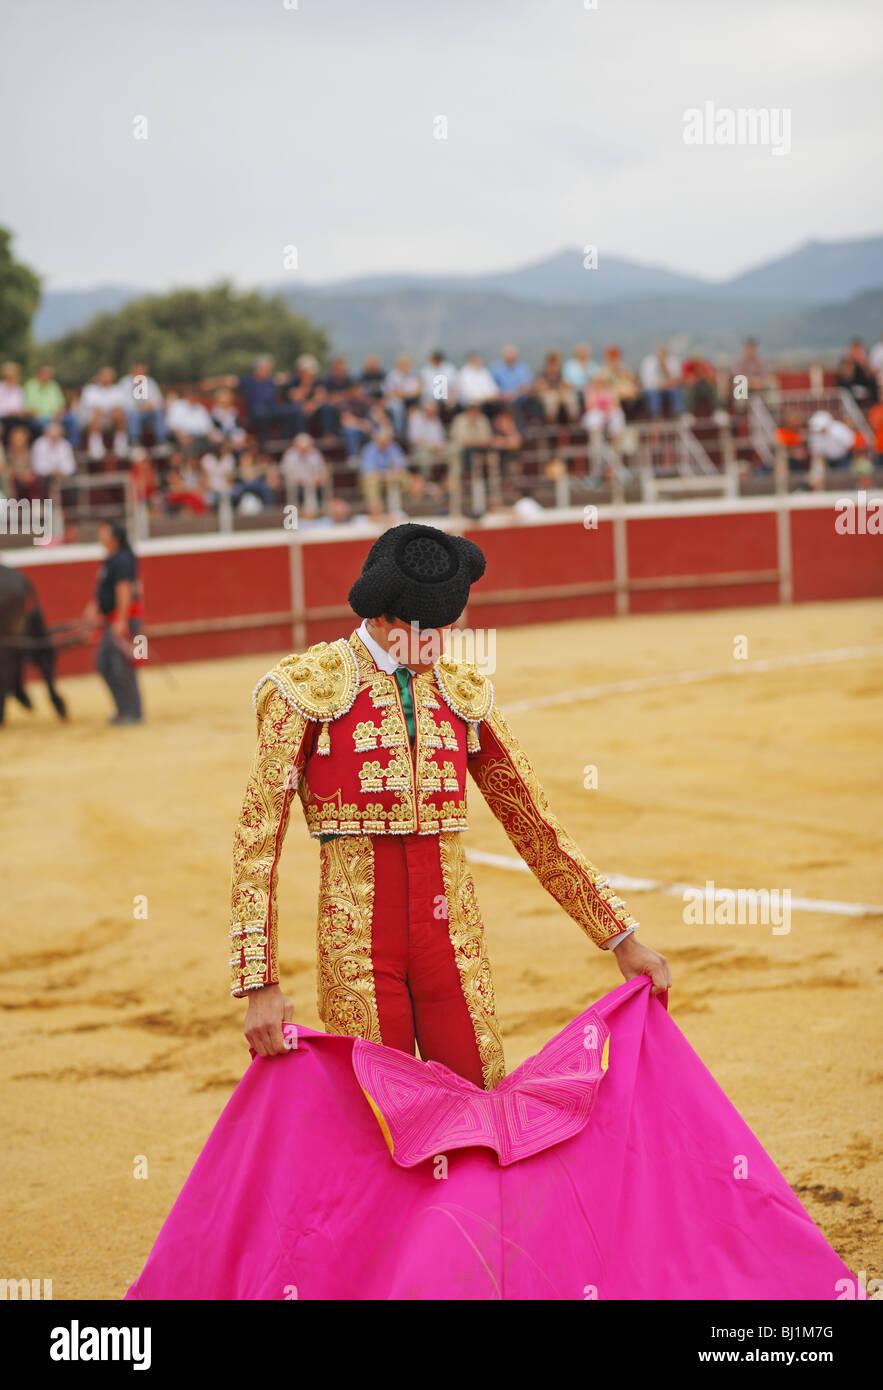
[{"x": 388, "y": 969}]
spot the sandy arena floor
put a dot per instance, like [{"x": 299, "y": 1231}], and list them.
[{"x": 120, "y": 1040}]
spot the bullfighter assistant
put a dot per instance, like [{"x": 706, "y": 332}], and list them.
[{"x": 377, "y": 750}]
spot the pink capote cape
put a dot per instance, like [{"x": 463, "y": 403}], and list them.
[{"x": 610, "y": 1165}]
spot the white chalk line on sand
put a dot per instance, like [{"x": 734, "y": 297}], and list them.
[
  {"x": 623, "y": 884},
  {"x": 672, "y": 678}
]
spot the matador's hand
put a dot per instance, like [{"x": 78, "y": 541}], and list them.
[
  {"x": 633, "y": 959},
  {"x": 268, "y": 1009}
]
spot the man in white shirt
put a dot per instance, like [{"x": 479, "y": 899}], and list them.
[
  {"x": 143, "y": 403},
  {"x": 830, "y": 439},
  {"x": 875, "y": 357},
  {"x": 439, "y": 379},
  {"x": 475, "y": 384},
  {"x": 52, "y": 455},
  {"x": 661, "y": 378},
  {"x": 188, "y": 420}
]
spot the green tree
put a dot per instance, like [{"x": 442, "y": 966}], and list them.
[
  {"x": 187, "y": 335},
  {"x": 19, "y": 298}
]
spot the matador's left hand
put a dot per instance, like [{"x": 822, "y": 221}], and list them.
[{"x": 633, "y": 959}]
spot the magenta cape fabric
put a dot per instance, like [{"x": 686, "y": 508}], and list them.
[{"x": 296, "y": 1195}]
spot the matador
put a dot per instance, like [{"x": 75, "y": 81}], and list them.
[{"x": 378, "y": 749}]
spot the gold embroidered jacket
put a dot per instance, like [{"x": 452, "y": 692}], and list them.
[{"x": 332, "y": 731}]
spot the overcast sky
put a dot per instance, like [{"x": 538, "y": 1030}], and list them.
[{"x": 313, "y": 127}]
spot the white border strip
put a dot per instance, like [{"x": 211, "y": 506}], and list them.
[{"x": 623, "y": 884}]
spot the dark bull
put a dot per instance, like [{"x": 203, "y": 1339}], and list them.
[{"x": 24, "y": 640}]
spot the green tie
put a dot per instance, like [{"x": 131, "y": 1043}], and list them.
[{"x": 403, "y": 678}]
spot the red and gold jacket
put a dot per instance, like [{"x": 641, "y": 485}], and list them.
[{"x": 332, "y": 731}]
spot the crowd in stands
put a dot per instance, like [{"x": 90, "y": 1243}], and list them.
[{"x": 272, "y": 436}]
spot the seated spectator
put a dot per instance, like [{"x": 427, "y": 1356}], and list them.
[
  {"x": 513, "y": 377},
  {"x": 625, "y": 383},
  {"x": 505, "y": 433},
  {"x": 251, "y": 490},
  {"x": 472, "y": 433},
  {"x": 579, "y": 369},
  {"x": 475, "y": 384},
  {"x": 372, "y": 377},
  {"x": 337, "y": 385},
  {"x": 556, "y": 396},
  {"x": 700, "y": 386},
  {"x": 875, "y": 358},
  {"x": 303, "y": 471},
  {"x": 183, "y": 488},
  {"x": 225, "y": 418},
  {"x": 260, "y": 392},
  {"x": 12, "y": 399},
  {"x": 603, "y": 410},
  {"x": 401, "y": 390},
  {"x": 143, "y": 403},
  {"x": 790, "y": 436},
  {"x": 379, "y": 419},
  {"x": 830, "y": 440},
  {"x": 70, "y": 418},
  {"x": 383, "y": 465},
  {"x": 754, "y": 368},
  {"x": 43, "y": 397},
  {"x": 21, "y": 481},
  {"x": 439, "y": 383},
  {"x": 355, "y": 421},
  {"x": 218, "y": 467},
  {"x": 52, "y": 457},
  {"x": 189, "y": 422},
  {"x": 143, "y": 476},
  {"x": 306, "y": 394},
  {"x": 856, "y": 375},
  {"x": 426, "y": 434},
  {"x": 102, "y": 410},
  {"x": 660, "y": 375}
]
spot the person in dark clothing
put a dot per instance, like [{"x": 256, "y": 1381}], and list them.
[{"x": 117, "y": 604}]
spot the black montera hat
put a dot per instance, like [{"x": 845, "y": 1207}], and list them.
[{"x": 419, "y": 574}]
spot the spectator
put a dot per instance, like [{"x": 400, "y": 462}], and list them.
[
  {"x": 355, "y": 421},
  {"x": 217, "y": 468},
  {"x": 506, "y": 441},
  {"x": 875, "y": 420},
  {"x": 337, "y": 385},
  {"x": 660, "y": 374},
  {"x": 52, "y": 457},
  {"x": 856, "y": 375},
  {"x": 12, "y": 399},
  {"x": 143, "y": 477},
  {"x": 579, "y": 369},
  {"x": 383, "y": 463},
  {"x": 401, "y": 391},
  {"x": 790, "y": 436},
  {"x": 372, "y": 377},
  {"x": 439, "y": 382},
  {"x": 700, "y": 386},
  {"x": 43, "y": 397},
  {"x": 189, "y": 422},
  {"x": 305, "y": 393},
  {"x": 557, "y": 397},
  {"x": 426, "y": 434},
  {"x": 183, "y": 490},
  {"x": 225, "y": 418},
  {"x": 603, "y": 410},
  {"x": 251, "y": 491},
  {"x": 143, "y": 403},
  {"x": 472, "y": 433},
  {"x": 303, "y": 471},
  {"x": 102, "y": 409},
  {"x": 625, "y": 383},
  {"x": 260, "y": 392},
  {"x": 875, "y": 358},
  {"x": 754, "y": 368},
  {"x": 475, "y": 384},
  {"x": 830, "y": 439},
  {"x": 513, "y": 377},
  {"x": 21, "y": 480}
]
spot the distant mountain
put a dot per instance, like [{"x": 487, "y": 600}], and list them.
[
  {"x": 61, "y": 311},
  {"x": 812, "y": 299},
  {"x": 819, "y": 272}
]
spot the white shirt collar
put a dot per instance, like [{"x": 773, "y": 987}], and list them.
[{"x": 381, "y": 656}]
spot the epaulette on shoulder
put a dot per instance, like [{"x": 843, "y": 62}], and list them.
[
  {"x": 320, "y": 683},
  {"x": 463, "y": 687}
]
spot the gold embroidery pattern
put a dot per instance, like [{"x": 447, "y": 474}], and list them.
[
  {"x": 258, "y": 838},
  {"x": 511, "y": 789},
  {"x": 470, "y": 953},
  {"x": 322, "y": 683},
  {"x": 347, "y": 999},
  {"x": 464, "y": 688}
]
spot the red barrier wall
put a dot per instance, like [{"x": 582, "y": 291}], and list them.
[{"x": 261, "y": 595}]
